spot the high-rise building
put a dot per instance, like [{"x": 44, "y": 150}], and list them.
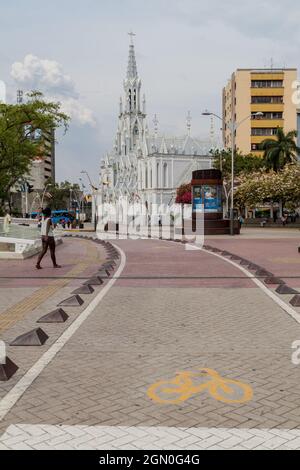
[
  {"x": 266, "y": 95},
  {"x": 42, "y": 168}
]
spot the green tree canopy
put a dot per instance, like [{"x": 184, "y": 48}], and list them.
[
  {"x": 58, "y": 195},
  {"x": 280, "y": 151},
  {"x": 242, "y": 163},
  {"x": 22, "y": 127}
]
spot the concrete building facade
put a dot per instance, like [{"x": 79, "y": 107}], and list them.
[{"x": 266, "y": 91}]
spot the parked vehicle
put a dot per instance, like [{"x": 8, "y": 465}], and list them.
[{"x": 58, "y": 217}]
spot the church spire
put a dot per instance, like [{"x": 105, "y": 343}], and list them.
[{"x": 131, "y": 68}]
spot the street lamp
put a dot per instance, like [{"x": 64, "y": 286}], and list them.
[
  {"x": 84, "y": 172},
  {"x": 44, "y": 193},
  {"x": 233, "y": 127}
]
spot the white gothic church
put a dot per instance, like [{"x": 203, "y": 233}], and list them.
[{"x": 147, "y": 168}]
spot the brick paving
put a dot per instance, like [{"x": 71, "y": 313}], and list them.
[
  {"x": 152, "y": 323},
  {"x": 47, "y": 437},
  {"x": 25, "y": 306},
  {"x": 278, "y": 255}
]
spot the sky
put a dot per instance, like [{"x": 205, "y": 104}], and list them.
[{"x": 76, "y": 52}]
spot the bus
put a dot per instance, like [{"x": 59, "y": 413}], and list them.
[{"x": 58, "y": 216}]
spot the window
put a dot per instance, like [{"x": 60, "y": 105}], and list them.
[
  {"x": 267, "y": 99},
  {"x": 266, "y": 83},
  {"x": 165, "y": 175},
  {"x": 268, "y": 115},
  {"x": 130, "y": 101},
  {"x": 157, "y": 175},
  {"x": 264, "y": 131}
]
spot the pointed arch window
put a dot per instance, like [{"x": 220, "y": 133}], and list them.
[
  {"x": 165, "y": 175},
  {"x": 157, "y": 174},
  {"x": 130, "y": 99}
]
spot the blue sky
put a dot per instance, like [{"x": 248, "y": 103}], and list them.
[{"x": 76, "y": 51}]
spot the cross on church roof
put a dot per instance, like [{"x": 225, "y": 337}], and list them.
[{"x": 131, "y": 34}]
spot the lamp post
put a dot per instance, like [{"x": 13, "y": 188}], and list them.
[
  {"x": 233, "y": 127},
  {"x": 44, "y": 192},
  {"x": 93, "y": 188}
]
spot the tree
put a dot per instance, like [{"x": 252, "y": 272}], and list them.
[
  {"x": 60, "y": 195},
  {"x": 22, "y": 127},
  {"x": 282, "y": 186},
  {"x": 243, "y": 164},
  {"x": 280, "y": 151},
  {"x": 184, "y": 194}
]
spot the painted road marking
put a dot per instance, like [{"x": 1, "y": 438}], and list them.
[
  {"x": 51, "y": 437},
  {"x": 10, "y": 399},
  {"x": 183, "y": 387}
]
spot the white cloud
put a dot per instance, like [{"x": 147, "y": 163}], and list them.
[
  {"x": 77, "y": 112},
  {"x": 48, "y": 76},
  {"x": 44, "y": 74}
]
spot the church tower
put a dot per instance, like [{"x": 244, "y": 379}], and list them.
[{"x": 132, "y": 112}]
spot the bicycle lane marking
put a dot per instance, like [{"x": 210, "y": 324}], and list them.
[
  {"x": 182, "y": 386},
  {"x": 295, "y": 315},
  {"x": 11, "y": 398}
]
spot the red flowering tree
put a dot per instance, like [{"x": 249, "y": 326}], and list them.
[{"x": 184, "y": 194}]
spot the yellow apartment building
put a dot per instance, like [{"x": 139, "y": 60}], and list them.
[{"x": 251, "y": 91}]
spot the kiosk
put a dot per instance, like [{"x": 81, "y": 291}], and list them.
[{"x": 207, "y": 187}]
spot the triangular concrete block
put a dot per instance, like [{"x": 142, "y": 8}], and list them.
[
  {"x": 263, "y": 273},
  {"x": 284, "y": 289},
  {"x": 295, "y": 301},
  {"x": 226, "y": 253},
  {"x": 254, "y": 267},
  {"x": 273, "y": 280},
  {"x": 110, "y": 262},
  {"x": 113, "y": 254},
  {"x": 57, "y": 316},
  {"x": 74, "y": 301},
  {"x": 108, "y": 266},
  {"x": 86, "y": 289},
  {"x": 94, "y": 281},
  {"x": 235, "y": 258},
  {"x": 7, "y": 370},
  {"x": 36, "y": 337},
  {"x": 244, "y": 262},
  {"x": 103, "y": 273}
]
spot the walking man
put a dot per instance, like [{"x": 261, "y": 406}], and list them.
[{"x": 47, "y": 239}]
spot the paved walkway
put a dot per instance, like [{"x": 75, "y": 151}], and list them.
[{"x": 151, "y": 324}]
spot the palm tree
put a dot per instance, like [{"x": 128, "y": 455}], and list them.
[{"x": 280, "y": 151}]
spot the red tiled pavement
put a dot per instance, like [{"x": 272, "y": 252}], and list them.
[
  {"x": 22, "y": 273},
  {"x": 279, "y": 255},
  {"x": 153, "y": 258}
]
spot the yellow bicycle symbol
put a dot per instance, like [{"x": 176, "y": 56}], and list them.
[{"x": 182, "y": 387}]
